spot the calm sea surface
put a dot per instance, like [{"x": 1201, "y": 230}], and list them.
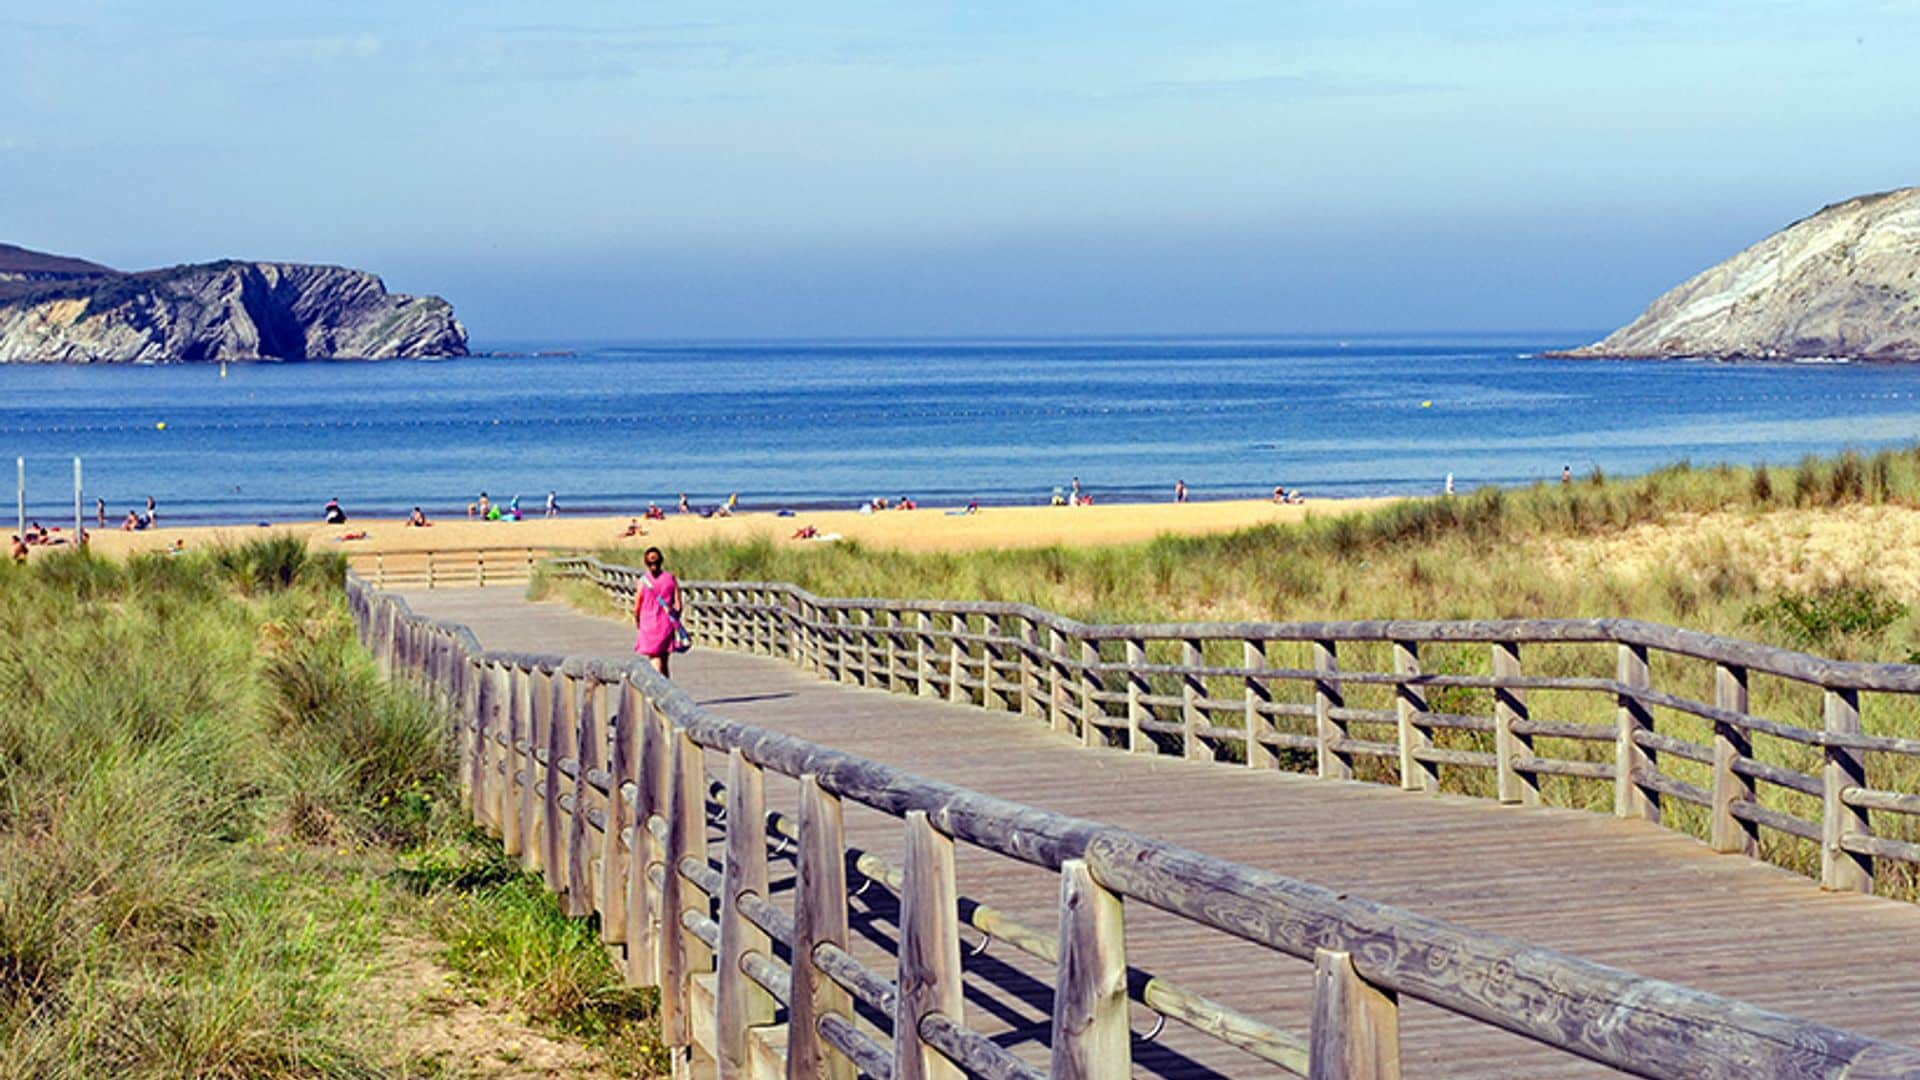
[{"x": 798, "y": 424}]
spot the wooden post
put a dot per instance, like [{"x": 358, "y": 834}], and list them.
[
  {"x": 1057, "y": 681},
  {"x": 1731, "y": 744},
  {"x": 615, "y": 878},
  {"x": 513, "y": 792},
  {"x": 819, "y": 916},
  {"x": 929, "y": 964},
  {"x": 1091, "y": 1040},
  {"x": 1091, "y": 707},
  {"x": 1335, "y": 763},
  {"x": 1029, "y": 677},
  {"x": 1193, "y": 690},
  {"x": 889, "y": 630},
  {"x": 645, "y": 936},
  {"x": 957, "y": 661},
  {"x": 1259, "y": 755},
  {"x": 540, "y": 698},
  {"x": 430, "y": 575},
  {"x": 1410, "y": 707},
  {"x": 480, "y": 568},
  {"x": 589, "y": 737},
  {"x": 1515, "y": 785},
  {"x": 1631, "y": 798},
  {"x": 1842, "y": 870},
  {"x": 1137, "y": 687},
  {"x": 553, "y": 837},
  {"x": 1356, "y": 1025},
  {"x": 843, "y": 646},
  {"x": 741, "y": 1002},
  {"x": 923, "y": 656},
  {"x": 860, "y": 625},
  {"x": 990, "y": 655},
  {"x": 682, "y": 955},
  {"x": 480, "y": 716}
]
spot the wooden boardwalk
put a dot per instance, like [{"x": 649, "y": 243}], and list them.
[{"x": 1623, "y": 893}]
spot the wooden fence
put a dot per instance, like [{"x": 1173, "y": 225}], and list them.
[
  {"x": 595, "y": 774},
  {"x": 448, "y": 568},
  {"x": 1650, "y": 721}
]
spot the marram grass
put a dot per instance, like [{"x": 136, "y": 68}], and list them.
[{"x": 205, "y": 790}]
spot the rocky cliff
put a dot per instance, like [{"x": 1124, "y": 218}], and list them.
[
  {"x": 56, "y": 310},
  {"x": 1842, "y": 283}
]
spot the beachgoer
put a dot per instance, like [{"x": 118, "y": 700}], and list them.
[
  {"x": 130, "y": 522},
  {"x": 471, "y": 510},
  {"x": 805, "y": 532},
  {"x": 656, "y": 611},
  {"x": 733, "y": 503},
  {"x": 973, "y": 506},
  {"x": 1059, "y": 498},
  {"x": 1449, "y": 483},
  {"x": 1279, "y": 494},
  {"x": 1179, "y": 491},
  {"x": 332, "y": 514},
  {"x": 152, "y": 514},
  {"x": 100, "y": 512},
  {"x": 19, "y": 550},
  {"x": 418, "y": 519},
  {"x": 1076, "y": 491},
  {"x": 1566, "y": 474},
  {"x": 179, "y": 547},
  {"x": 633, "y": 528},
  {"x": 654, "y": 513},
  {"x": 513, "y": 508},
  {"x": 685, "y": 506},
  {"x": 487, "y": 512},
  {"x": 553, "y": 504}
]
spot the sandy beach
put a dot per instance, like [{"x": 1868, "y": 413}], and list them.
[{"x": 928, "y": 529}]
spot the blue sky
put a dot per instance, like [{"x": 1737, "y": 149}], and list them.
[{"x": 620, "y": 169}]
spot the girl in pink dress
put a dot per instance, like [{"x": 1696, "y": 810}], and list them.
[{"x": 656, "y": 611}]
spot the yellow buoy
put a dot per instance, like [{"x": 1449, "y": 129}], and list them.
[
  {"x": 1426, "y": 404},
  {"x": 161, "y": 426}
]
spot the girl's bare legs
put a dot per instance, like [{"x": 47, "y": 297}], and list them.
[{"x": 660, "y": 663}]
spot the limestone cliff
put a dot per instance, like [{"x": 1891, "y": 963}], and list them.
[
  {"x": 1842, "y": 283},
  {"x": 55, "y": 310}
]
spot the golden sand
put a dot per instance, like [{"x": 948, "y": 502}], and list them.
[{"x": 911, "y": 530}]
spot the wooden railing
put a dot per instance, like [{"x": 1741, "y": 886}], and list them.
[
  {"x": 595, "y": 775},
  {"x": 446, "y": 568},
  {"x": 1754, "y": 749}
]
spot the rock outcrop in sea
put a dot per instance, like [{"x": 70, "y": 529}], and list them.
[
  {"x": 1844, "y": 283},
  {"x": 60, "y": 310}
]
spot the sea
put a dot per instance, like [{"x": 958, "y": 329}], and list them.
[{"x": 612, "y": 426}]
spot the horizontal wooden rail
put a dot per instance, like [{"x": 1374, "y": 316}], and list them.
[
  {"x": 1217, "y": 692},
  {"x": 535, "y": 730},
  {"x": 446, "y": 568}
]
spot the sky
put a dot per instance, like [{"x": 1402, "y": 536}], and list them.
[{"x": 579, "y": 170}]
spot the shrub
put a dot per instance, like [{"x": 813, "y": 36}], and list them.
[{"x": 1815, "y": 619}]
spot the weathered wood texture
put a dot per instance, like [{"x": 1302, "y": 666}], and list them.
[{"x": 1620, "y": 892}]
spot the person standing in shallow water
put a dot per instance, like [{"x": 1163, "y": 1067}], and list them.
[{"x": 656, "y": 611}]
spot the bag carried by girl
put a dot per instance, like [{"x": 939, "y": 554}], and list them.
[{"x": 682, "y": 641}]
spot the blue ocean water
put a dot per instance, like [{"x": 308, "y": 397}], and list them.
[{"x": 809, "y": 424}]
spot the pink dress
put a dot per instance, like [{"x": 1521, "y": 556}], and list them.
[{"x": 656, "y": 625}]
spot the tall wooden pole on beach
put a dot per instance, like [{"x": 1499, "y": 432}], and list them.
[
  {"x": 78, "y": 528},
  {"x": 20, "y": 494}
]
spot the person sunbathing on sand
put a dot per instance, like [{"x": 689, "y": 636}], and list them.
[{"x": 805, "y": 532}]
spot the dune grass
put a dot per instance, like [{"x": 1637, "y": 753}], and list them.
[{"x": 207, "y": 797}]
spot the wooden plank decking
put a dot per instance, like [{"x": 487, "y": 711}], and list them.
[{"x": 1618, "y": 892}]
